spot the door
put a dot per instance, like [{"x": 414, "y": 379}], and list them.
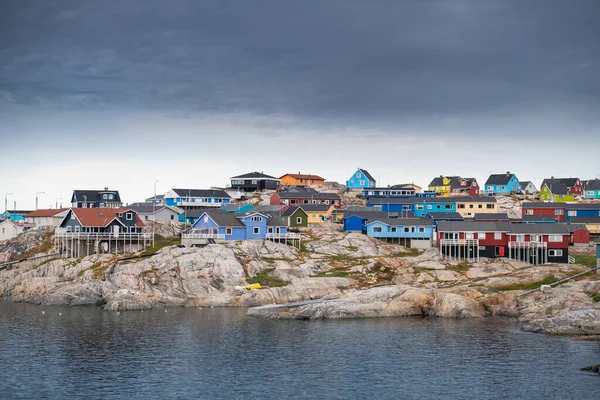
[{"x": 116, "y": 230}]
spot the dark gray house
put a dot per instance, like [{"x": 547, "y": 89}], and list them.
[
  {"x": 96, "y": 199},
  {"x": 254, "y": 182}
]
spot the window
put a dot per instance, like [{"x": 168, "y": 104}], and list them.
[
  {"x": 413, "y": 229},
  {"x": 394, "y": 229},
  {"x": 358, "y": 175},
  {"x": 3, "y": 230},
  {"x": 362, "y": 183},
  {"x": 461, "y": 206},
  {"x": 469, "y": 236},
  {"x": 555, "y": 253},
  {"x": 111, "y": 197},
  {"x": 555, "y": 238},
  {"x": 146, "y": 217},
  {"x": 129, "y": 216},
  {"x": 559, "y": 212},
  {"x": 256, "y": 218},
  {"x": 448, "y": 207},
  {"x": 68, "y": 229},
  {"x": 254, "y": 181},
  {"x": 520, "y": 238},
  {"x": 314, "y": 215},
  {"x": 104, "y": 197},
  {"x": 406, "y": 229},
  {"x": 299, "y": 220},
  {"x": 421, "y": 229},
  {"x": 497, "y": 235},
  {"x": 206, "y": 218},
  {"x": 471, "y": 206},
  {"x": 529, "y": 212},
  {"x": 237, "y": 182},
  {"x": 489, "y": 206},
  {"x": 419, "y": 206},
  {"x": 429, "y": 207},
  {"x": 438, "y": 207},
  {"x": 256, "y": 230},
  {"x": 172, "y": 217},
  {"x": 481, "y": 235},
  {"x": 534, "y": 238},
  {"x": 269, "y": 230},
  {"x": 479, "y": 205},
  {"x": 377, "y": 229},
  {"x": 228, "y": 231},
  {"x": 501, "y": 187}
]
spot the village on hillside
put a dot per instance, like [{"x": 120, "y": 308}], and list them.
[{"x": 505, "y": 218}]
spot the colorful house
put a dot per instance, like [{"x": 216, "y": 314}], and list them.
[
  {"x": 441, "y": 185},
  {"x": 464, "y": 187},
  {"x": 361, "y": 179},
  {"x": 318, "y": 213},
  {"x": 592, "y": 189},
  {"x": 96, "y": 199},
  {"x": 491, "y": 217},
  {"x": 16, "y": 215},
  {"x": 237, "y": 208},
  {"x": 580, "y": 236},
  {"x": 502, "y": 184},
  {"x": 356, "y": 221},
  {"x": 50, "y": 217},
  {"x": 527, "y": 187},
  {"x": 418, "y": 206},
  {"x": 591, "y": 223},
  {"x": 556, "y": 193},
  {"x": 410, "y": 232},
  {"x": 469, "y": 206},
  {"x": 574, "y": 185},
  {"x": 582, "y": 210},
  {"x": 215, "y": 226},
  {"x": 556, "y": 210},
  {"x": 196, "y": 198},
  {"x": 254, "y": 182},
  {"x": 298, "y": 195},
  {"x": 301, "y": 180},
  {"x": 295, "y": 217}
]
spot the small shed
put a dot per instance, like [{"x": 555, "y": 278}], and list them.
[{"x": 580, "y": 236}]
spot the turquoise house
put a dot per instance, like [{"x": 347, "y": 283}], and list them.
[
  {"x": 16, "y": 215},
  {"x": 361, "y": 179},
  {"x": 410, "y": 232},
  {"x": 503, "y": 184},
  {"x": 592, "y": 189},
  {"x": 419, "y": 206},
  {"x": 237, "y": 208}
]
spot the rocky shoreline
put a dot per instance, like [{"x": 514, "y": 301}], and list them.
[{"x": 334, "y": 275}]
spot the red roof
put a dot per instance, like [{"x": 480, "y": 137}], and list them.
[
  {"x": 46, "y": 212},
  {"x": 102, "y": 217},
  {"x": 303, "y": 176}
]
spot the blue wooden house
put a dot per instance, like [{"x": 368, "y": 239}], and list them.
[
  {"x": 196, "y": 198},
  {"x": 16, "y": 215},
  {"x": 502, "y": 184},
  {"x": 237, "y": 208},
  {"x": 230, "y": 226},
  {"x": 409, "y": 232},
  {"x": 582, "y": 210},
  {"x": 361, "y": 179},
  {"x": 419, "y": 206},
  {"x": 356, "y": 221}
]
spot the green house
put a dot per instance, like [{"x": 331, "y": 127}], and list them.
[
  {"x": 295, "y": 217},
  {"x": 556, "y": 193}
]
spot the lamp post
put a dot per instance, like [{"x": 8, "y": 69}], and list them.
[
  {"x": 6, "y": 200},
  {"x": 36, "y": 199},
  {"x": 61, "y": 199}
]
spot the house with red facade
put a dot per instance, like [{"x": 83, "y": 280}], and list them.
[
  {"x": 464, "y": 187},
  {"x": 574, "y": 185},
  {"x": 300, "y": 195},
  {"x": 531, "y": 243},
  {"x": 580, "y": 236},
  {"x": 540, "y": 208}
]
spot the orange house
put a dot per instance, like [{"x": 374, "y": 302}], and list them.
[{"x": 301, "y": 180}]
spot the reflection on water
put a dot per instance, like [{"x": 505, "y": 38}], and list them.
[{"x": 221, "y": 353}]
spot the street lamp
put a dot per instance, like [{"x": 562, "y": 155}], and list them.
[
  {"x": 61, "y": 199},
  {"x": 154, "y": 211},
  {"x": 6, "y": 200},
  {"x": 36, "y": 199}
]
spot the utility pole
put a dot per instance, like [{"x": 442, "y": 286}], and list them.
[
  {"x": 36, "y": 199},
  {"x": 153, "y": 211}
]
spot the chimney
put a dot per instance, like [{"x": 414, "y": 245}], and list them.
[
  {"x": 507, "y": 172},
  {"x": 106, "y": 189},
  {"x": 15, "y": 206},
  {"x": 552, "y": 177}
]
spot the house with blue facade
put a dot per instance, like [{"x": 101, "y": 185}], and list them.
[
  {"x": 361, "y": 179},
  {"x": 444, "y": 216},
  {"x": 419, "y": 206},
  {"x": 16, "y": 215},
  {"x": 502, "y": 184},
  {"x": 356, "y": 221},
  {"x": 398, "y": 191},
  {"x": 237, "y": 208},
  {"x": 416, "y": 233},
  {"x": 592, "y": 189},
  {"x": 215, "y": 226},
  {"x": 96, "y": 199},
  {"x": 196, "y": 198},
  {"x": 581, "y": 210}
]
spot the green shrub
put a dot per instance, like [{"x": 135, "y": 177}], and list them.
[{"x": 529, "y": 286}]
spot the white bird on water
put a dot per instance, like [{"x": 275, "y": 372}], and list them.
[
  {"x": 43, "y": 312},
  {"x": 118, "y": 312},
  {"x": 166, "y": 310},
  {"x": 59, "y": 313}
]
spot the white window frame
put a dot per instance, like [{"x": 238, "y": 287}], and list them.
[
  {"x": 572, "y": 213},
  {"x": 421, "y": 229},
  {"x": 129, "y": 216},
  {"x": 497, "y": 235},
  {"x": 469, "y": 236},
  {"x": 393, "y": 229},
  {"x": 299, "y": 220},
  {"x": 529, "y": 212},
  {"x": 77, "y": 229},
  {"x": 361, "y": 183},
  {"x": 377, "y": 229},
  {"x": 256, "y": 218},
  {"x": 559, "y": 212},
  {"x": 481, "y": 235},
  {"x": 228, "y": 231},
  {"x": 555, "y": 238},
  {"x": 256, "y": 230},
  {"x": 555, "y": 252}
]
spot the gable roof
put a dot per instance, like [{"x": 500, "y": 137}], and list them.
[
  {"x": 224, "y": 219},
  {"x": 367, "y": 174},
  {"x": 94, "y": 195},
  {"x": 455, "y": 182},
  {"x": 545, "y": 229},
  {"x": 149, "y": 208},
  {"x": 437, "y": 181},
  {"x": 46, "y": 212},
  {"x": 255, "y": 175},
  {"x": 101, "y": 217},
  {"x": 557, "y": 188},
  {"x": 499, "y": 179},
  {"x": 593, "y": 184},
  {"x": 291, "y": 210},
  {"x": 576, "y": 227},
  {"x": 315, "y": 207},
  {"x": 201, "y": 193},
  {"x": 303, "y": 176},
  {"x": 273, "y": 218},
  {"x": 569, "y": 182}
]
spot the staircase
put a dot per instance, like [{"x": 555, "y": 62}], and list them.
[{"x": 571, "y": 260}]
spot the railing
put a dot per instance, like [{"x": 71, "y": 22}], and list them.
[
  {"x": 571, "y": 260},
  {"x": 202, "y": 235},
  {"x": 459, "y": 242},
  {"x": 287, "y": 236},
  {"x": 521, "y": 245},
  {"x": 103, "y": 235},
  {"x": 199, "y": 203}
]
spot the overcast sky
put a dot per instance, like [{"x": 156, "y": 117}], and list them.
[{"x": 190, "y": 93}]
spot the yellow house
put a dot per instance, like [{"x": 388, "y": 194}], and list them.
[
  {"x": 469, "y": 206},
  {"x": 318, "y": 213},
  {"x": 441, "y": 185},
  {"x": 592, "y": 223},
  {"x": 301, "y": 180}
]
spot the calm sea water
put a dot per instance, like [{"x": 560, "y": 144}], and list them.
[{"x": 220, "y": 353}]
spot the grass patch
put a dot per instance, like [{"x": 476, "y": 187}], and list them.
[
  {"x": 409, "y": 253},
  {"x": 271, "y": 260},
  {"x": 98, "y": 270},
  {"x": 529, "y": 286},
  {"x": 596, "y": 297},
  {"x": 264, "y": 278},
  {"x": 338, "y": 273},
  {"x": 159, "y": 243},
  {"x": 352, "y": 248},
  {"x": 44, "y": 247},
  {"x": 588, "y": 261},
  {"x": 461, "y": 267}
]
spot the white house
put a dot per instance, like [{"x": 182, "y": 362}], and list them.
[
  {"x": 155, "y": 212},
  {"x": 528, "y": 188},
  {"x": 50, "y": 217},
  {"x": 9, "y": 230}
]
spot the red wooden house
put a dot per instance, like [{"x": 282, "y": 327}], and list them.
[
  {"x": 464, "y": 187},
  {"x": 580, "y": 236},
  {"x": 540, "y": 208},
  {"x": 299, "y": 195},
  {"x": 573, "y": 184}
]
